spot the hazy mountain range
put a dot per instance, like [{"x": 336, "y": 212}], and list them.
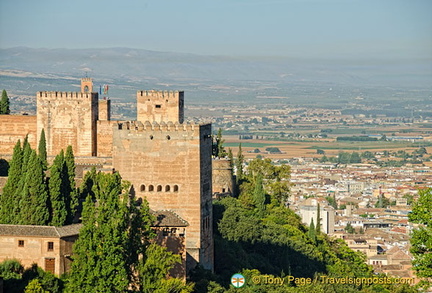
[{"x": 24, "y": 71}]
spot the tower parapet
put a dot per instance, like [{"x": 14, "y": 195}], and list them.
[{"x": 54, "y": 95}]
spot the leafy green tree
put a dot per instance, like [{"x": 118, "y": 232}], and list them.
[
  {"x": 275, "y": 179},
  {"x": 34, "y": 195},
  {"x": 42, "y": 152},
  {"x": 355, "y": 158},
  {"x": 332, "y": 201},
  {"x": 382, "y": 202},
  {"x": 69, "y": 184},
  {"x": 112, "y": 239},
  {"x": 35, "y": 287},
  {"x": 11, "y": 269},
  {"x": 368, "y": 155},
  {"x": 154, "y": 268},
  {"x": 312, "y": 231},
  {"x": 57, "y": 192},
  {"x": 421, "y": 238},
  {"x": 16, "y": 279},
  {"x": 239, "y": 165},
  {"x": 259, "y": 196},
  {"x": 11, "y": 272},
  {"x": 8, "y": 202},
  {"x": 318, "y": 224},
  {"x": 349, "y": 228},
  {"x": 231, "y": 158},
  {"x": 4, "y": 103},
  {"x": 344, "y": 158},
  {"x": 218, "y": 148}
]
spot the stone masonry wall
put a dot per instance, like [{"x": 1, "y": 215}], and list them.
[
  {"x": 68, "y": 119},
  {"x": 170, "y": 165},
  {"x": 14, "y": 127},
  {"x": 160, "y": 106}
]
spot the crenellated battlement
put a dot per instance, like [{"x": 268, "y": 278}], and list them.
[
  {"x": 160, "y": 94},
  {"x": 138, "y": 127},
  {"x": 70, "y": 95}
]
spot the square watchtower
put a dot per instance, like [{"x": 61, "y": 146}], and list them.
[{"x": 160, "y": 106}]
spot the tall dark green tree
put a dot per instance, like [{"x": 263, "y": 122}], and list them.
[
  {"x": 259, "y": 196},
  {"x": 312, "y": 231},
  {"x": 7, "y": 199},
  {"x": 71, "y": 191},
  {"x": 318, "y": 224},
  {"x": 42, "y": 152},
  {"x": 239, "y": 165},
  {"x": 231, "y": 158},
  {"x": 34, "y": 195},
  {"x": 218, "y": 148},
  {"x": 106, "y": 255},
  {"x": 58, "y": 192},
  {"x": 4, "y": 103}
]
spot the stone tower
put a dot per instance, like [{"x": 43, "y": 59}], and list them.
[
  {"x": 104, "y": 109},
  {"x": 86, "y": 85},
  {"x": 169, "y": 163},
  {"x": 69, "y": 118},
  {"x": 223, "y": 179},
  {"x": 160, "y": 106}
]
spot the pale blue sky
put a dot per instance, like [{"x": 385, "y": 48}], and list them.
[{"x": 295, "y": 28}]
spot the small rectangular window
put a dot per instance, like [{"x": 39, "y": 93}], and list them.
[
  {"x": 20, "y": 243},
  {"x": 50, "y": 246},
  {"x": 158, "y": 106}
]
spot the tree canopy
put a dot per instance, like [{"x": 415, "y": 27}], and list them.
[
  {"x": 4, "y": 103},
  {"x": 421, "y": 238},
  {"x": 114, "y": 252}
]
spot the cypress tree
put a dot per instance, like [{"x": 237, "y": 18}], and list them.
[
  {"x": 69, "y": 182},
  {"x": 18, "y": 192},
  {"x": 231, "y": 158},
  {"x": 239, "y": 165},
  {"x": 34, "y": 195},
  {"x": 220, "y": 150},
  {"x": 57, "y": 192},
  {"x": 259, "y": 196},
  {"x": 42, "y": 152},
  {"x": 318, "y": 224},
  {"x": 312, "y": 231},
  {"x": 4, "y": 103},
  {"x": 7, "y": 200}
]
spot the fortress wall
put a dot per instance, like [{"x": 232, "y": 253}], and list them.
[
  {"x": 104, "y": 138},
  {"x": 69, "y": 118},
  {"x": 170, "y": 165},
  {"x": 14, "y": 127}
]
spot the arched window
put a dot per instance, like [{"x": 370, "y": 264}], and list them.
[
  {"x": 167, "y": 188},
  {"x": 142, "y": 188},
  {"x": 176, "y": 188},
  {"x": 159, "y": 188},
  {"x": 151, "y": 188}
]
